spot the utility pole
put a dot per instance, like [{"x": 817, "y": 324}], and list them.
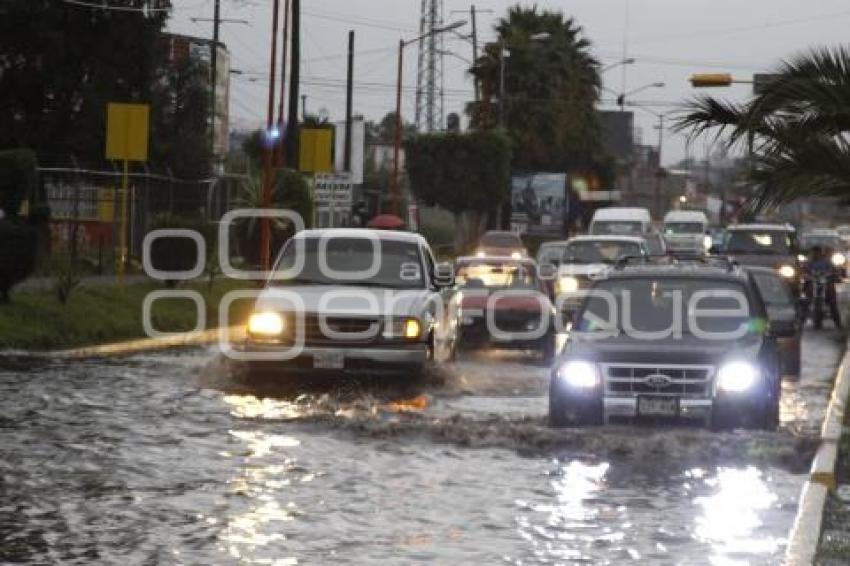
[
  {"x": 349, "y": 95},
  {"x": 279, "y": 153},
  {"x": 214, "y": 71},
  {"x": 268, "y": 147},
  {"x": 294, "y": 85},
  {"x": 303, "y": 106},
  {"x": 473, "y": 39},
  {"x": 659, "y": 170}
]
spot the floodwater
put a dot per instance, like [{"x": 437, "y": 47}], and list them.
[{"x": 178, "y": 459}]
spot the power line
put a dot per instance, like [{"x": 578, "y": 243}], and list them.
[
  {"x": 350, "y": 19},
  {"x": 91, "y": 5}
]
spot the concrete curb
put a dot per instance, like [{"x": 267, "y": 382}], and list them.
[
  {"x": 182, "y": 340},
  {"x": 805, "y": 534}
]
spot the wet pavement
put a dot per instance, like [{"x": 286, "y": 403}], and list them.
[{"x": 177, "y": 458}]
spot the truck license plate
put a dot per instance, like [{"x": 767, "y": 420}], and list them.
[
  {"x": 658, "y": 407},
  {"x": 329, "y": 360}
]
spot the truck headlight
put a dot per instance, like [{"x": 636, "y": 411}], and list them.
[
  {"x": 567, "y": 284},
  {"x": 707, "y": 242},
  {"x": 412, "y": 329},
  {"x": 265, "y": 324},
  {"x": 838, "y": 259},
  {"x": 579, "y": 374},
  {"x": 516, "y": 255},
  {"x": 736, "y": 377},
  {"x": 787, "y": 271}
]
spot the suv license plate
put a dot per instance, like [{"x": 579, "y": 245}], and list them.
[
  {"x": 329, "y": 360},
  {"x": 658, "y": 406}
]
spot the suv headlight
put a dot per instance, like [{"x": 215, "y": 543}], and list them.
[
  {"x": 567, "y": 284},
  {"x": 787, "y": 271},
  {"x": 265, "y": 324},
  {"x": 838, "y": 259},
  {"x": 407, "y": 328},
  {"x": 737, "y": 377},
  {"x": 579, "y": 374}
]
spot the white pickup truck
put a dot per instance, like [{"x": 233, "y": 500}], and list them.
[{"x": 350, "y": 300}]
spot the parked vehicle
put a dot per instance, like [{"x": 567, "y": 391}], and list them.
[
  {"x": 501, "y": 244},
  {"x": 621, "y": 221},
  {"x": 633, "y": 363},
  {"x": 784, "y": 310},
  {"x": 350, "y": 300},
  {"x": 766, "y": 245},
  {"x": 502, "y": 302},
  {"x": 686, "y": 232}
]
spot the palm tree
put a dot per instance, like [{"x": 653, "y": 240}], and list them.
[
  {"x": 796, "y": 128},
  {"x": 551, "y": 87}
]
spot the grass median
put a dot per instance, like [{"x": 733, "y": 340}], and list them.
[{"x": 35, "y": 320}]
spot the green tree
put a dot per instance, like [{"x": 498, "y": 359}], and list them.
[
  {"x": 796, "y": 128},
  {"x": 18, "y": 236},
  {"x": 61, "y": 63},
  {"x": 551, "y": 88},
  {"x": 466, "y": 174}
]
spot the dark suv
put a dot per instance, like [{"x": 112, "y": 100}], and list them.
[{"x": 671, "y": 340}]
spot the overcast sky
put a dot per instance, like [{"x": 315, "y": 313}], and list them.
[{"x": 670, "y": 40}]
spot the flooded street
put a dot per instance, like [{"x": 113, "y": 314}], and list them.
[{"x": 174, "y": 458}]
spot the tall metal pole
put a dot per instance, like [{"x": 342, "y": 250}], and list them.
[
  {"x": 397, "y": 140},
  {"x": 279, "y": 153},
  {"x": 265, "y": 228},
  {"x": 658, "y": 210},
  {"x": 349, "y": 95},
  {"x": 214, "y": 73},
  {"x": 475, "y": 51},
  {"x": 294, "y": 85}
]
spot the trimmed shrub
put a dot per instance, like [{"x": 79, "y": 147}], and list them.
[{"x": 18, "y": 243}]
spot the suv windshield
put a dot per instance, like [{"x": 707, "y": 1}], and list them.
[
  {"x": 616, "y": 227},
  {"x": 600, "y": 251},
  {"x": 551, "y": 254},
  {"x": 821, "y": 240},
  {"x": 763, "y": 242},
  {"x": 399, "y": 265},
  {"x": 495, "y": 276},
  {"x": 650, "y": 304},
  {"x": 683, "y": 228}
]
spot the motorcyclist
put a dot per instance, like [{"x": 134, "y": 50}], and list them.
[{"x": 819, "y": 263}]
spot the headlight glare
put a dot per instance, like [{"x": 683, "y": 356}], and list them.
[
  {"x": 265, "y": 324},
  {"x": 516, "y": 255},
  {"x": 802, "y": 258},
  {"x": 707, "y": 242},
  {"x": 838, "y": 259},
  {"x": 579, "y": 374},
  {"x": 412, "y": 328},
  {"x": 787, "y": 271},
  {"x": 480, "y": 253},
  {"x": 567, "y": 284},
  {"x": 736, "y": 377}
]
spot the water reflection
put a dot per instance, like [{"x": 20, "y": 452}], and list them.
[
  {"x": 259, "y": 491},
  {"x": 730, "y": 518}
]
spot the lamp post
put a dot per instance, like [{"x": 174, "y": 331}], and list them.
[
  {"x": 628, "y": 61},
  {"x": 542, "y": 36},
  {"x": 398, "y": 121}
]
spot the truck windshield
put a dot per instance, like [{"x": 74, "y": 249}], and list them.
[
  {"x": 616, "y": 227},
  {"x": 495, "y": 276},
  {"x": 398, "y": 264},
  {"x": 601, "y": 251},
  {"x": 653, "y": 304},
  {"x": 683, "y": 228},
  {"x": 762, "y": 242}
]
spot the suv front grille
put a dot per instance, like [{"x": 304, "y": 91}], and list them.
[{"x": 667, "y": 380}]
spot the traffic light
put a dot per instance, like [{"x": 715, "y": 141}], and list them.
[{"x": 703, "y": 80}]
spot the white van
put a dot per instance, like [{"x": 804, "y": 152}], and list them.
[
  {"x": 686, "y": 232},
  {"x": 621, "y": 221}
]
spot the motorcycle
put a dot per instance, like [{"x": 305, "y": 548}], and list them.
[{"x": 818, "y": 294}]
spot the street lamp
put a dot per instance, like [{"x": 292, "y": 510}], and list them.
[
  {"x": 397, "y": 141},
  {"x": 606, "y": 68},
  {"x": 541, "y": 36}
]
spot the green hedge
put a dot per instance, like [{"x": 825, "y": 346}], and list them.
[{"x": 18, "y": 245}]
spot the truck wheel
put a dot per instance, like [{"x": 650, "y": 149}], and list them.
[
  {"x": 557, "y": 413},
  {"x": 723, "y": 419}
]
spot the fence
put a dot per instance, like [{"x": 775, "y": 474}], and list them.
[{"x": 86, "y": 207}]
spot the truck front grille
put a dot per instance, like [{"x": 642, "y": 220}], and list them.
[{"x": 667, "y": 380}]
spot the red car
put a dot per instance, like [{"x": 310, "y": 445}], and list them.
[{"x": 502, "y": 302}]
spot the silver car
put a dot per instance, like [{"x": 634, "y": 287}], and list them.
[{"x": 350, "y": 300}]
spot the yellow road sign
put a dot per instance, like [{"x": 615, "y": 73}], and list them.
[
  {"x": 127, "y": 131},
  {"x": 315, "y": 150}
]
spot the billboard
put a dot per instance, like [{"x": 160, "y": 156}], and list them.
[{"x": 539, "y": 203}]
